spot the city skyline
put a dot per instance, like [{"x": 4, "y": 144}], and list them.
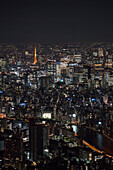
[{"x": 56, "y": 106}]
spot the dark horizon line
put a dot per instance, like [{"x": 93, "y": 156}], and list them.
[{"x": 52, "y": 42}]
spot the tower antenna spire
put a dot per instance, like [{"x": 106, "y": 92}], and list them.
[{"x": 35, "y": 59}]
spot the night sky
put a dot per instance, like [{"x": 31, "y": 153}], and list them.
[{"x": 56, "y": 21}]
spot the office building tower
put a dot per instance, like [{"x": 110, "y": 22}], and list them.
[
  {"x": 13, "y": 149},
  {"x": 38, "y": 139}
]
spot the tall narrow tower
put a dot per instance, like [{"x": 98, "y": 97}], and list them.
[{"x": 35, "y": 59}]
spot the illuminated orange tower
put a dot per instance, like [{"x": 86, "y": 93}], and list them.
[{"x": 35, "y": 59}]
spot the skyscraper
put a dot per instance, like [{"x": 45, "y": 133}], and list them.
[{"x": 38, "y": 139}]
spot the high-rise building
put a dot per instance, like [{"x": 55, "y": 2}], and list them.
[
  {"x": 51, "y": 67},
  {"x": 13, "y": 148},
  {"x": 1, "y": 145},
  {"x": 100, "y": 52},
  {"x": 38, "y": 138}
]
